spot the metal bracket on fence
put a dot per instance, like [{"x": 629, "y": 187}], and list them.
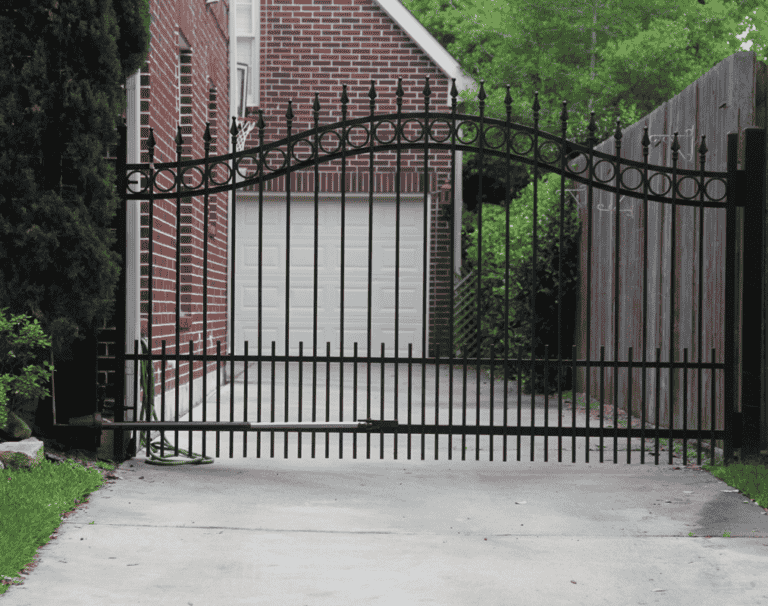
[{"x": 95, "y": 421}]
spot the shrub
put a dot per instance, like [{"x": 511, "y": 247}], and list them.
[
  {"x": 23, "y": 347},
  {"x": 492, "y": 277}
]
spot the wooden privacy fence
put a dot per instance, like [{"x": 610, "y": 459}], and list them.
[{"x": 728, "y": 99}]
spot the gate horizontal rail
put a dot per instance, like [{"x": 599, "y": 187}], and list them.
[
  {"x": 523, "y": 362},
  {"x": 392, "y": 426}
]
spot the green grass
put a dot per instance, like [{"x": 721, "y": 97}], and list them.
[{"x": 33, "y": 502}]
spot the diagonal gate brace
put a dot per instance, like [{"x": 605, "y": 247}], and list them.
[{"x": 95, "y": 421}]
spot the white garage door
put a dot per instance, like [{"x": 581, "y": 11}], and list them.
[{"x": 302, "y": 264}]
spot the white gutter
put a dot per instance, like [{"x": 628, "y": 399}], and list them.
[
  {"x": 227, "y": 125},
  {"x": 452, "y": 69},
  {"x": 132, "y": 233}
]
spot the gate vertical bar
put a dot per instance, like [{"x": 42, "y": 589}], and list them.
[
  {"x": 478, "y": 338},
  {"x": 592, "y": 141},
  {"x": 533, "y": 271},
  {"x": 731, "y": 259},
  {"x": 121, "y": 297},
  {"x": 343, "y": 144},
  {"x": 372, "y": 95},
  {"x": 672, "y": 375},
  {"x": 233, "y": 131},
  {"x": 289, "y": 174},
  {"x": 179, "y": 141},
  {"x": 753, "y": 306},
  {"x": 399, "y": 94},
  {"x": 316, "y": 114},
  {"x": 425, "y": 267},
  {"x": 206, "y": 176},
  {"x": 646, "y": 141},
  {"x": 262, "y": 164},
  {"x": 371, "y": 141},
  {"x": 508, "y": 137},
  {"x": 617, "y": 172},
  {"x": 563, "y": 129},
  {"x": 151, "y": 235},
  {"x": 699, "y": 342}
]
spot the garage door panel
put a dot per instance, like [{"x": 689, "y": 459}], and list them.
[
  {"x": 355, "y": 300},
  {"x": 303, "y": 260},
  {"x": 411, "y": 257},
  {"x": 302, "y": 268},
  {"x": 406, "y": 337},
  {"x": 302, "y": 300},
  {"x": 303, "y": 220},
  {"x": 248, "y": 299},
  {"x": 248, "y": 257},
  {"x": 355, "y": 259},
  {"x": 249, "y": 331},
  {"x": 408, "y": 299}
]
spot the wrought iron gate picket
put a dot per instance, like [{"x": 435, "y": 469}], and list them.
[{"x": 139, "y": 182}]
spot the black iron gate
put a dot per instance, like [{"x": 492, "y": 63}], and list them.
[{"x": 546, "y": 153}]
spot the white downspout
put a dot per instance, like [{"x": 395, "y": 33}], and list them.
[
  {"x": 228, "y": 124},
  {"x": 132, "y": 236}
]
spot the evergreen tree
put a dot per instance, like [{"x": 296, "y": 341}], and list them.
[{"x": 61, "y": 74}]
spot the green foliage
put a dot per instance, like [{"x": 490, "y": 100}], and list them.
[
  {"x": 520, "y": 248},
  {"x": 60, "y": 101},
  {"x": 133, "y": 40},
  {"x": 618, "y": 59},
  {"x": 23, "y": 365}
]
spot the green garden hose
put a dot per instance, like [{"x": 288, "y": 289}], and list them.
[{"x": 148, "y": 407}]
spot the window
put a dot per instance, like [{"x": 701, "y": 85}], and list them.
[
  {"x": 247, "y": 19},
  {"x": 242, "y": 86}
]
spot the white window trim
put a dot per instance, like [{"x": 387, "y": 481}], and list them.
[
  {"x": 242, "y": 87},
  {"x": 252, "y": 97}
]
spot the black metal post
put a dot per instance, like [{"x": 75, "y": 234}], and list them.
[
  {"x": 120, "y": 312},
  {"x": 753, "y": 297},
  {"x": 730, "y": 297}
]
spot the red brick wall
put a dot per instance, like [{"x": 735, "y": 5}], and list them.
[
  {"x": 306, "y": 47},
  {"x": 196, "y": 85},
  {"x": 316, "y": 46}
]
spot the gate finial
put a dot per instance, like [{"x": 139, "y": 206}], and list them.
[
  {"x": 675, "y": 150},
  {"x": 646, "y": 141},
  {"x": 179, "y": 139},
  {"x": 703, "y": 151},
  {"x": 592, "y": 140},
  {"x": 207, "y": 138},
  {"x": 151, "y": 144}
]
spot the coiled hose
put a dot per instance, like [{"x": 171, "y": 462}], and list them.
[{"x": 148, "y": 407}]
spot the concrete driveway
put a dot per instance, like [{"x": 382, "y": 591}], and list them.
[{"x": 329, "y": 531}]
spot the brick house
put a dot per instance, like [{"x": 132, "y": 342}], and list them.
[{"x": 287, "y": 50}]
